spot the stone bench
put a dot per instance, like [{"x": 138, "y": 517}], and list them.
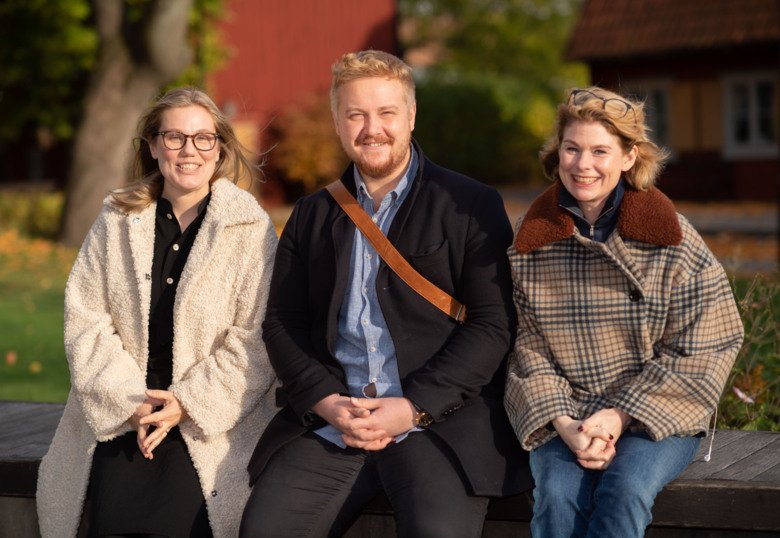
[{"x": 736, "y": 494}]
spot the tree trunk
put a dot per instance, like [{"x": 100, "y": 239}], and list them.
[{"x": 141, "y": 49}]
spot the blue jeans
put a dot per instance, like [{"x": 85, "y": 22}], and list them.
[{"x": 572, "y": 501}]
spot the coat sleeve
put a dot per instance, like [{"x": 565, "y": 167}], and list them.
[
  {"x": 680, "y": 387},
  {"x": 475, "y": 351},
  {"x": 220, "y": 391},
  {"x": 536, "y": 390},
  {"x": 105, "y": 378},
  {"x": 288, "y": 325}
]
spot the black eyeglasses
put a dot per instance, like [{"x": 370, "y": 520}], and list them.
[
  {"x": 618, "y": 108},
  {"x": 176, "y": 140}
]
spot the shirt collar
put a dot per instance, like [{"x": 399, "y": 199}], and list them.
[
  {"x": 569, "y": 203},
  {"x": 164, "y": 205}
]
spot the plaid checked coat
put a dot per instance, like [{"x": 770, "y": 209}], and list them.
[{"x": 645, "y": 322}]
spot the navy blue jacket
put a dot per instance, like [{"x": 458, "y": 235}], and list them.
[{"x": 455, "y": 232}]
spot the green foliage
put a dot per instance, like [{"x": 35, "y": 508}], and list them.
[
  {"x": 474, "y": 125},
  {"x": 508, "y": 52},
  {"x": 523, "y": 39},
  {"x": 49, "y": 47},
  {"x": 46, "y": 46},
  {"x": 752, "y": 397},
  {"x": 205, "y": 39},
  {"x": 34, "y": 214}
]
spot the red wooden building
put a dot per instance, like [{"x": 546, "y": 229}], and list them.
[
  {"x": 282, "y": 51},
  {"x": 709, "y": 71}
]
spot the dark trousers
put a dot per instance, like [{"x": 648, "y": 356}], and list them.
[{"x": 314, "y": 488}]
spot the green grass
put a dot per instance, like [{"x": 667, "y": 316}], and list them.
[
  {"x": 756, "y": 372},
  {"x": 32, "y": 281}
]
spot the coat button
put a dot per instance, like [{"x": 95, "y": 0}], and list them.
[
  {"x": 214, "y": 493},
  {"x": 635, "y": 295}
]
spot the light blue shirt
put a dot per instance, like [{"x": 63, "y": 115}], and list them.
[{"x": 364, "y": 347}]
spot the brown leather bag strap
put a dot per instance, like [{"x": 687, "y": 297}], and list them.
[{"x": 432, "y": 293}]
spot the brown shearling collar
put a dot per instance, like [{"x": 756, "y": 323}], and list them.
[{"x": 647, "y": 216}]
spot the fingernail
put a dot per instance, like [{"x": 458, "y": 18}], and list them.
[
  {"x": 611, "y": 437},
  {"x": 580, "y": 428}
]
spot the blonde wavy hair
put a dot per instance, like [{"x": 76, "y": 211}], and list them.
[
  {"x": 148, "y": 185},
  {"x": 370, "y": 63},
  {"x": 630, "y": 128}
]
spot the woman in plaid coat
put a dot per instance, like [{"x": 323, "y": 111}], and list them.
[{"x": 627, "y": 327}]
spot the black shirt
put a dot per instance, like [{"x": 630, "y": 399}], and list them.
[{"x": 171, "y": 249}]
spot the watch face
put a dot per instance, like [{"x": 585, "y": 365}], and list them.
[{"x": 424, "y": 419}]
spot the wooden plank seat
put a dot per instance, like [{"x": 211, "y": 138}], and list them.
[{"x": 737, "y": 493}]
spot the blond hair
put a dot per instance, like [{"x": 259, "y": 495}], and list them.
[
  {"x": 148, "y": 185},
  {"x": 630, "y": 128},
  {"x": 370, "y": 63}
]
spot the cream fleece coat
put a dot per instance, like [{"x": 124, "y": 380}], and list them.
[{"x": 221, "y": 373}]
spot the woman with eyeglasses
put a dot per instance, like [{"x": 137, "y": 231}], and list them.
[
  {"x": 627, "y": 326},
  {"x": 171, "y": 383}
]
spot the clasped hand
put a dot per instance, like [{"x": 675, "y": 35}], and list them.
[
  {"x": 367, "y": 423},
  {"x": 160, "y": 410},
  {"x": 593, "y": 440}
]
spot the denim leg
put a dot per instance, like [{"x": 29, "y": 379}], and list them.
[
  {"x": 563, "y": 491},
  {"x": 627, "y": 489}
]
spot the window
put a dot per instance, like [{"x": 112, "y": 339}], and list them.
[
  {"x": 750, "y": 116},
  {"x": 655, "y": 96}
]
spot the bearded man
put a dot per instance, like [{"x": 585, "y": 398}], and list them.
[{"x": 382, "y": 391}]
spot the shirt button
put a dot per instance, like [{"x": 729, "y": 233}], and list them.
[
  {"x": 365, "y": 290},
  {"x": 175, "y": 247},
  {"x": 372, "y": 349},
  {"x": 365, "y": 321},
  {"x": 169, "y": 280},
  {"x": 169, "y": 216},
  {"x": 373, "y": 380},
  {"x": 374, "y": 219},
  {"x": 368, "y": 256}
]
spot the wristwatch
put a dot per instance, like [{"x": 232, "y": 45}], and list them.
[{"x": 422, "y": 418}]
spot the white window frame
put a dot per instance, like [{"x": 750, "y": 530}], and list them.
[{"x": 754, "y": 147}]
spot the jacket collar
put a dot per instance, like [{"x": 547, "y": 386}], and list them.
[
  {"x": 226, "y": 207},
  {"x": 229, "y": 206},
  {"x": 646, "y": 216}
]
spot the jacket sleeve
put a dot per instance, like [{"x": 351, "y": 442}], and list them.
[
  {"x": 220, "y": 391},
  {"x": 475, "y": 352},
  {"x": 536, "y": 390},
  {"x": 105, "y": 378},
  {"x": 288, "y": 326},
  {"x": 680, "y": 387}
]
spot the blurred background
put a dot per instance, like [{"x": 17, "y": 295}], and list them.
[{"x": 75, "y": 75}]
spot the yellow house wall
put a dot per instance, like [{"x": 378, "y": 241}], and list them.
[{"x": 695, "y": 116}]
